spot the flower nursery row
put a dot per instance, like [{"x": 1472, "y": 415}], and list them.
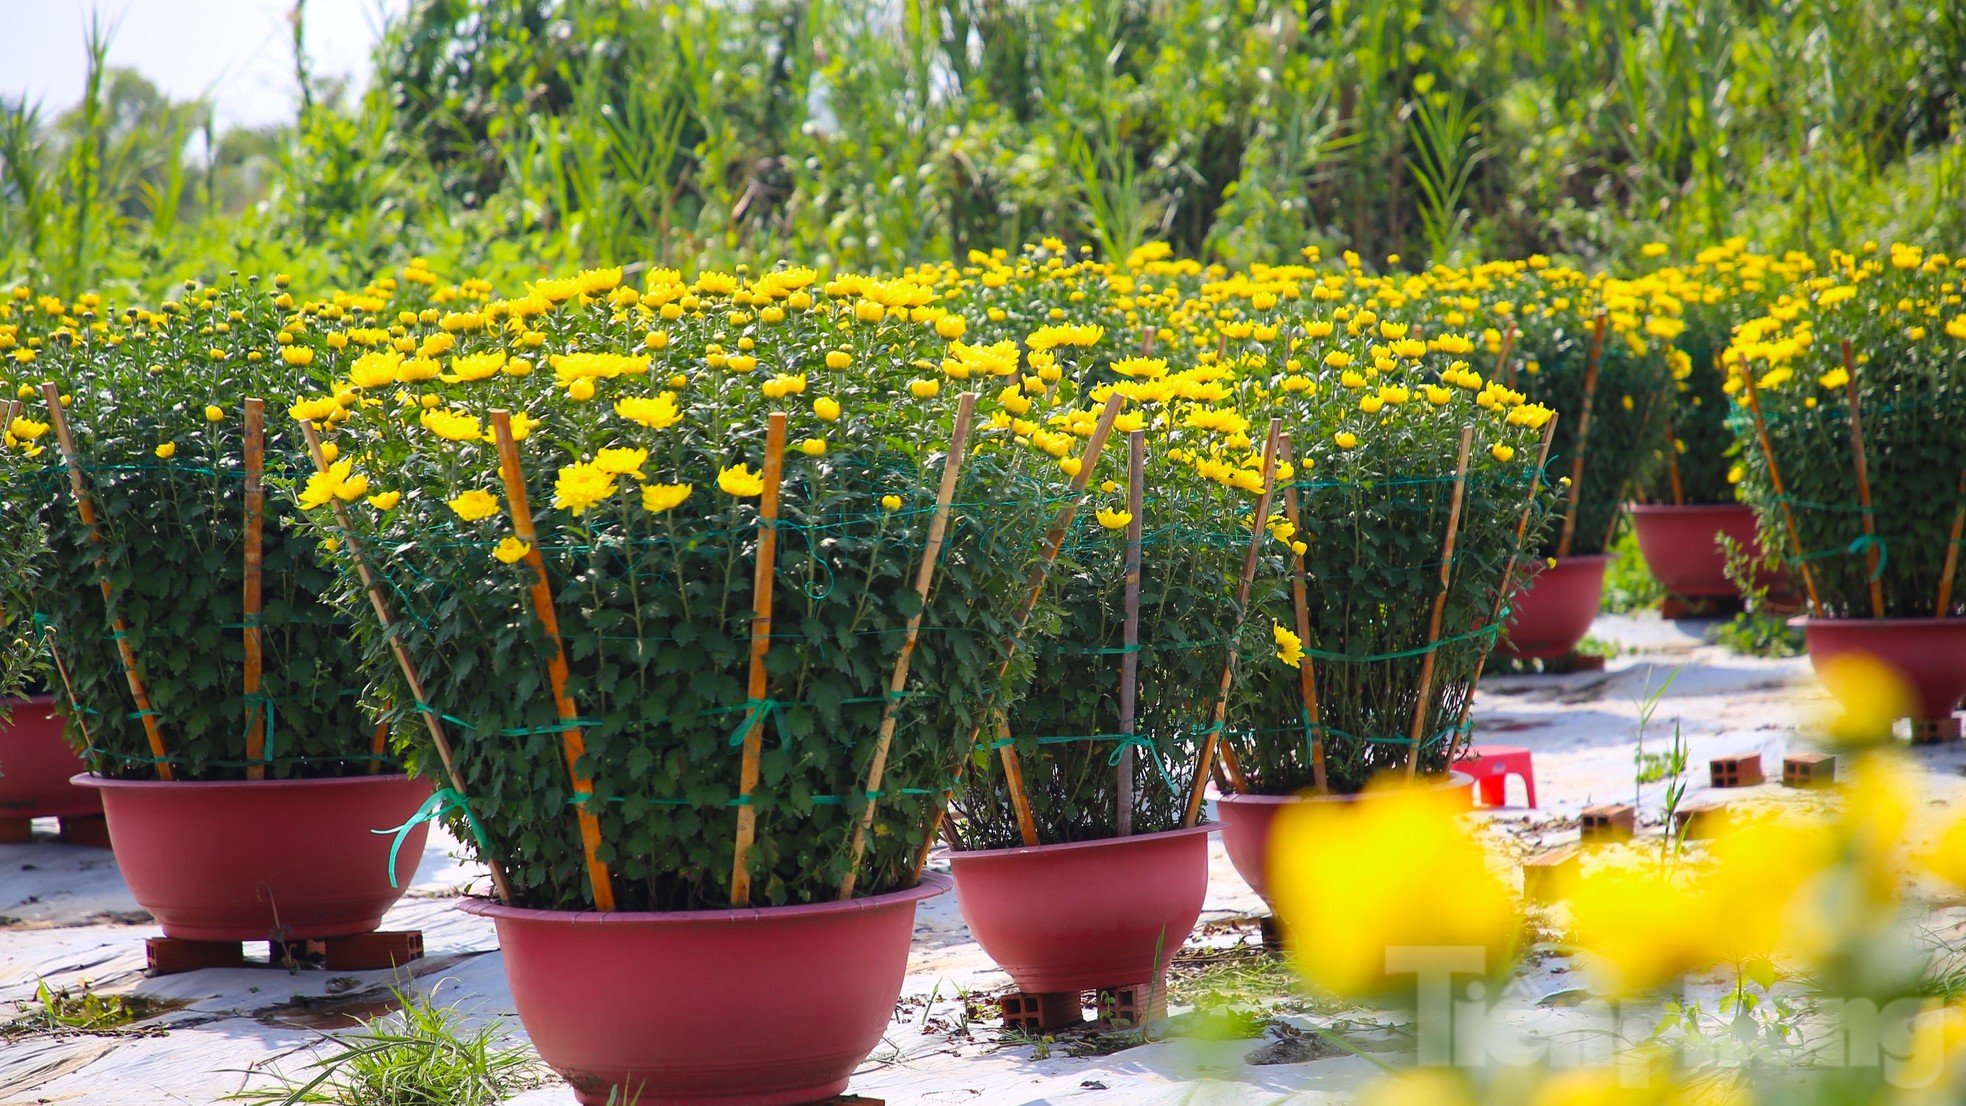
[{"x": 702, "y": 610}]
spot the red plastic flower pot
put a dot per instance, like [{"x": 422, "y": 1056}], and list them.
[
  {"x": 1681, "y": 544},
  {"x": 1247, "y": 820},
  {"x": 767, "y": 1006},
  {"x": 35, "y": 766},
  {"x": 1088, "y": 914},
  {"x": 1929, "y": 653},
  {"x": 1553, "y": 611},
  {"x": 266, "y": 859}
]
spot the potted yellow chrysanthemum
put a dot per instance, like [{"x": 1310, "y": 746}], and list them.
[
  {"x": 198, "y": 658},
  {"x": 688, "y": 596},
  {"x": 1848, "y": 395}
]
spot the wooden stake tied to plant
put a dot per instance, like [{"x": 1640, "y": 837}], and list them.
[
  {"x": 1301, "y": 610},
  {"x": 757, "y": 686},
  {"x": 1136, "y": 479},
  {"x": 1054, "y": 540},
  {"x": 1583, "y": 437},
  {"x": 898, "y": 684},
  {"x": 255, "y": 448},
  {"x": 1504, "y": 592},
  {"x": 1863, "y": 482},
  {"x": 1417, "y": 736},
  {"x": 1781, "y": 492},
  {"x": 119, "y": 629},
  {"x": 1957, "y": 533},
  {"x": 572, "y": 742},
  {"x": 1259, "y": 526},
  {"x": 431, "y": 721}
]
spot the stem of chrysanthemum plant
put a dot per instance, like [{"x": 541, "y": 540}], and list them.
[
  {"x": 572, "y": 742},
  {"x": 255, "y": 449},
  {"x": 1863, "y": 481},
  {"x": 1781, "y": 494},
  {"x": 897, "y": 685},
  {"x": 1136, "y": 506},
  {"x": 1054, "y": 539},
  {"x": 749, "y": 770},
  {"x": 1672, "y": 464},
  {"x": 1952, "y": 551},
  {"x": 1301, "y": 608},
  {"x": 1503, "y": 363},
  {"x": 403, "y": 663},
  {"x": 1583, "y": 437},
  {"x": 1416, "y": 736},
  {"x": 120, "y": 630},
  {"x": 1503, "y": 591},
  {"x": 1259, "y": 526}
]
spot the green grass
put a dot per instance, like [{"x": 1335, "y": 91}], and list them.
[
  {"x": 424, "y": 1055},
  {"x": 1629, "y": 585},
  {"x": 81, "y": 1010}
]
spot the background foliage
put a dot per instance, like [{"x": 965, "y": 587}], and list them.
[{"x": 869, "y": 133}]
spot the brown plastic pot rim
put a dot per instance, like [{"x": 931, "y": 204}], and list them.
[
  {"x": 1451, "y": 782},
  {"x": 90, "y": 779},
  {"x": 1068, "y": 846},
  {"x": 932, "y": 884},
  {"x": 34, "y": 700},
  {"x": 1803, "y": 621},
  {"x": 1687, "y": 508}
]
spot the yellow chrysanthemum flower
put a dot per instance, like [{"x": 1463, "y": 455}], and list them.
[
  {"x": 580, "y": 487},
  {"x": 740, "y": 481},
  {"x": 474, "y": 505},
  {"x": 658, "y": 498}
]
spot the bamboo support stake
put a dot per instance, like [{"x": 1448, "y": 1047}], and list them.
[
  {"x": 1301, "y": 607},
  {"x": 1583, "y": 436},
  {"x": 378, "y": 745},
  {"x": 1863, "y": 481},
  {"x": 1781, "y": 493},
  {"x": 1418, "y": 733},
  {"x": 1013, "y": 769},
  {"x": 61, "y": 670},
  {"x": 572, "y": 742},
  {"x": 1952, "y": 551},
  {"x": 755, "y": 689},
  {"x": 1054, "y": 539},
  {"x": 938, "y": 526},
  {"x": 1624, "y": 485},
  {"x": 1259, "y": 527},
  {"x": 403, "y": 663},
  {"x": 1503, "y": 593},
  {"x": 255, "y": 448},
  {"x": 1136, "y": 506},
  {"x": 120, "y": 630},
  {"x": 1503, "y": 363}
]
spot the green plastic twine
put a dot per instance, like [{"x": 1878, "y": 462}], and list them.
[{"x": 442, "y": 801}]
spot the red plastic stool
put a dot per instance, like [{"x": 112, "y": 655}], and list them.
[{"x": 1492, "y": 765}]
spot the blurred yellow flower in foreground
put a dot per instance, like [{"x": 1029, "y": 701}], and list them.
[
  {"x": 1419, "y": 1087},
  {"x": 1393, "y": 870},
  {"x": 1872, "y": 694}
]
